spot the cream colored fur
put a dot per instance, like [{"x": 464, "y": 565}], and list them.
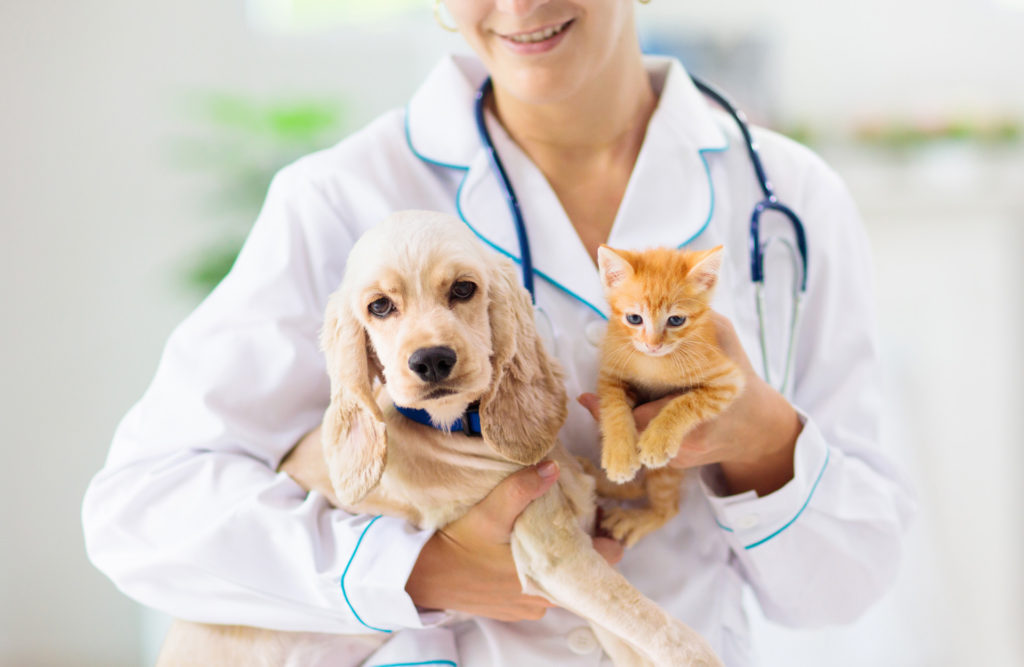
[{"x": 381, "y": 462}]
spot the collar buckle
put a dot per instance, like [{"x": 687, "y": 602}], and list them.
[{"x": 471, "y": 421}]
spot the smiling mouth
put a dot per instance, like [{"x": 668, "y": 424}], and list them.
[{"x": 537, "y": 36}]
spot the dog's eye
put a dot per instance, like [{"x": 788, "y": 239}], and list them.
[
  {"x": 382, "y": 307},
  {"x": 676, "y": 321},
  {"x": 463, "y": 289},
  {"x": 634, "y": 319}
]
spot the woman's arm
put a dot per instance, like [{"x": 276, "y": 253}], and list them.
[{"x": 826, "y": 543}]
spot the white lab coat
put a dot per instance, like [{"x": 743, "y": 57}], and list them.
[{"x": 189, "y": 516}]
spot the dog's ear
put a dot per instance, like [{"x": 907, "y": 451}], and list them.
[
  {"x": 525, "y": 406},
  {"x": 354, "y": 436}
]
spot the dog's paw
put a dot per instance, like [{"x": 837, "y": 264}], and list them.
[
  {"x": 630, "y": 525},
  {"x": 657, "y": 448},
  {"x": 620, "y": 463}
]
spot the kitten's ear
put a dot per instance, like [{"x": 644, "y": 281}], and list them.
[
  {"x": 614, "y": 268},
  {"x": 705, "y": 271}
]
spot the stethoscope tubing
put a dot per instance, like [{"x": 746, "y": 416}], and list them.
[{"x": 526, "y": 261}]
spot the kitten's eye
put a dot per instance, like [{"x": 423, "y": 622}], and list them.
[
  {"x": 462, "y": 290},
  {"x": 382, "y": 307},
  {"x": 676, "y": 321},
  {"x": 634, "y": 319}
]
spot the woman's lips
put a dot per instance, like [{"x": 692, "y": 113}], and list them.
[{"x": 537, "y": 41}]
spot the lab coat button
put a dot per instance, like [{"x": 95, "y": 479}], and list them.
[
  {"x": 582, "y": 641},
  {"x": 747, "y": 522},
  {"x": 594, "y": 331}
]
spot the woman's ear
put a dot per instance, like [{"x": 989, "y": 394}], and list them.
[
  {"x": 354, "y": 435},
  {"x": 525, "y": 406}
]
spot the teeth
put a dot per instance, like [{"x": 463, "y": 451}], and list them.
[{"x": 538, "y": 36}]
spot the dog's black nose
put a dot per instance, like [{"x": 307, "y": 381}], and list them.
[{"x": 432, "y": 364}]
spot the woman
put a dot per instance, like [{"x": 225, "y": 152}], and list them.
[{"x": 794, "y": 500}]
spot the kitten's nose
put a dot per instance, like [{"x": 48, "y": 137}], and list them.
[
  {"x": 653, "y": 348},
  {"x": 432, "y": 364}
]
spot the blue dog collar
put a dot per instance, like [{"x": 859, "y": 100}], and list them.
[{"x": 469, "y": 424}]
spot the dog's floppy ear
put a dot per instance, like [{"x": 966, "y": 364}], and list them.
[
  {"x": 525, "y": 406},
  {"x": 354, "y": 436}
]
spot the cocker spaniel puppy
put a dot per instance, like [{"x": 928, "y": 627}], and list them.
[{"x": 427, "y": 318}]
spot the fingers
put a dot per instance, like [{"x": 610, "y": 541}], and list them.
[
  {"x": 591, "y": 403},
  {"x": 494, "y": 515},
  {"x": 526, "y": 608},
  {"x": 610, "y": 549},
  {"x": 729, "y": 341}
]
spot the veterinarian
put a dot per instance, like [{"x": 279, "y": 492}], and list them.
[{"x": 792, "y": 498}]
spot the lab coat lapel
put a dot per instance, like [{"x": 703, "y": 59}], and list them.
[
  {"x": 670, "y": 198},
  {"x": 439, "y": 126},
  {"x": 558, "y": 255}
]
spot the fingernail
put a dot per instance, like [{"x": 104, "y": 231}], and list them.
[{"x": 547, "y": 469}]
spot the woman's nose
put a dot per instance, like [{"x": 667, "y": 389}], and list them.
[{"x": 518, "y": 7}]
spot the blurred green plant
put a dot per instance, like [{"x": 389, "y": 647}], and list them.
[
  {"x": 803, "y": 133},
  {"x": 905, "y": 135},
  {"x": 235, "y": 144}
]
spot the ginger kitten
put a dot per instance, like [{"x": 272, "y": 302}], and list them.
[{"x": 660, "y": 340}]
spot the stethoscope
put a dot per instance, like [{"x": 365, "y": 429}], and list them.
[{"x": 797, "y": 252}]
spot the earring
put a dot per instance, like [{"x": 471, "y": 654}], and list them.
[{"x": 438, "y": 4}]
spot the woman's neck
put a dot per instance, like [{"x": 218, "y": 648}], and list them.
[{"x": 603, "y": 122}]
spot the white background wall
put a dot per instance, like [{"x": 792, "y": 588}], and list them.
[{"x": 97, "y": 223}]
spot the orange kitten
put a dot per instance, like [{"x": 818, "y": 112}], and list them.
[{"x": 660, "y": 340}]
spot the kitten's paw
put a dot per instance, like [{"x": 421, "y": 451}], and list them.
[
  {"x": 629, "y": 525},
  {"x": 657, "y": 448},
  {"x": 620, "y": 463}
]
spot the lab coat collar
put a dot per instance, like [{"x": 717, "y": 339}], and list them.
[{"x": 669, "y": 200}]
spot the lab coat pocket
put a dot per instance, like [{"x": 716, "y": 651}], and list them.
[{"x": 430, "y": 646}]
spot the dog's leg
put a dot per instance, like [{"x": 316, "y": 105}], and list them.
[
  {"x": 555, "y": 556},
  {"x": 200, "y": 645},
  {"x": 622, "y": 654}
]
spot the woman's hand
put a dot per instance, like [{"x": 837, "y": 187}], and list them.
[
  {"x": 752, "y": 440},
  {"x": 467, "y": 565}
]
